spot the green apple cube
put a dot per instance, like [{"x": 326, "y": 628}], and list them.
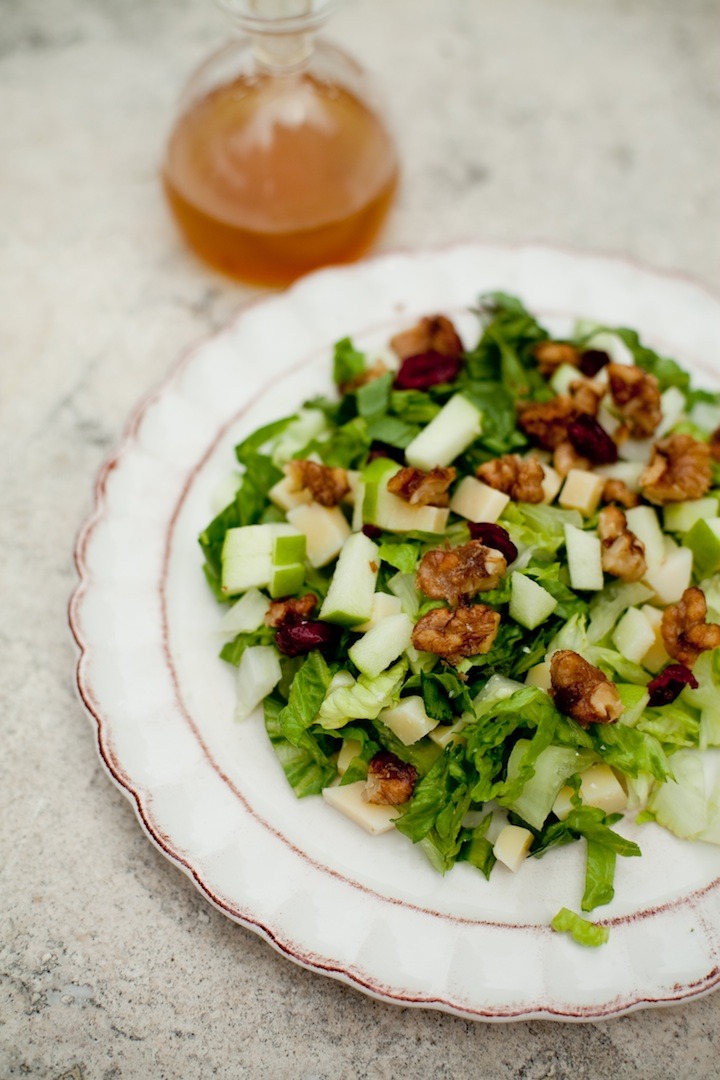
[
  {"x": 349, "y": 599},
  {"x": 454, "y": 428},
  {"x": 286, "y": 580},
  {"x": 633, "y": 636},
  {"x": 288, "y": 549},
  {"x": 681, "y": 516},
  {"x": 408, "y": 720},
  {"x": 672, "y": 406},
  {"x": 246, "y": 615},
  {"x": 376, "y": 650},
  {"x": 627, "y": 471},
  {"x": 380, "y": 507},
  {"x": 383, "y": 605},
  {"x": 243, "y": 572},
  {"x": 248, "y": 554},
  {"x": 530, "y": 604},
  {"x": 643, "y": 521},
  {"x": 703, "y": 539},
  {"x": 247, "y": 540},
  {"x": 584, "y": 554},
  {"x": 563, "y": 377}
]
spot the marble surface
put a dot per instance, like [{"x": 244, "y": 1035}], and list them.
[{"x": 591, "y": 124}]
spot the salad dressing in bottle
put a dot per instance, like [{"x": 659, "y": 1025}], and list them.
[{"x": 280, "y": 162}]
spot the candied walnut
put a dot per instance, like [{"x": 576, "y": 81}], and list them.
[
  {"x": 679, "y": 469},
  {"x": 423, "y": 488},
  {"x": 521, "y": 479},
  {"x": 454, "y": 574},
  {"x": 469, "y": 631},
  {"x": 581, "y": 691},
  {"x": 390, "y": 781},
  {"x": 367, "y": 376},
  {"x": 714, "y": 444},
  {"x": 586, "y": 396},
  {"x": 290, "y": 611},
  {"x": 550, "y": 355},
  {"x": 617, "y": 491},
  {"x": 566, "y": 457},
  {"x": 685, "y": 632},
  {"x": 546, "y": 422},
  {"x": 637, "y": 397},
  {"x": 326, "y": 485},
  {"x": 432, "y": 334},
  {"x": 623, "y": 555}
]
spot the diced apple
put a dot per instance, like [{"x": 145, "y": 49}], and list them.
[
  {"x": 444, "y": 734},
  {"x": 539, "y": 676},
  {"x": 258, "y": 674},
  {"x": 286, "y": 580},
  {"x": 656, "y": 657},
  {"x": 633, "y": 635},
  {"x": 349, "y": 599},
  {"x": 584, "y": 554},
  {"x": 643, "y": 521},
  {"x": 606, "y": 341},
  {"x": 477, "y": 501},
  {"x": 286, "y": 496},
  {"x": 246, "y": 615},
  {"x": 379, "y": 647},
  {"x": 408, "y": 720},
  {"x": 383, "y": 605},
  {"x": 703, "y": 539},
  {"x": 635, "y": 450},
  {"x": 681, "y": 516},
  {"x": 582, "y": 491},
  {"x": 551, "y": 483},
  {"x": 380, "y": 507},
  {"x": 245, "y": 572},
  {"x": 563, "y": 803},
  {"x": 348, "y": 751},
  {"x": 530, "y": 604},
  {"x": 348, "y": 799},
  {"x": 325, "y": 529},
  {"x": 607, "y": 420},
  {"x": 455, "y": 427},
  {"x": 564, "y": 376},
  {"x": 670, "y": 580},
  {"x": 512, "y": 846}
]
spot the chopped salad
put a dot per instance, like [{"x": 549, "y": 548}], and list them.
[{"x": 477, "y": 593}]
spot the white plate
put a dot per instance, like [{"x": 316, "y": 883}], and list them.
[{"x": 209, "y": 792}]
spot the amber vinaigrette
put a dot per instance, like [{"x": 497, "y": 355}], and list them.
[{"x": 284, "y": 167}]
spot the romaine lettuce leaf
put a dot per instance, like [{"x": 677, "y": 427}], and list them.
[
  {"x": 363, "y": 700},
  {"x": 306, "y": 696},
  {"x": 348, "y": 363},
  {"x": 306, "y": 775}
]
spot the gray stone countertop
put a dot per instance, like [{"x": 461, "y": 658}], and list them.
[{"x": 593, "y": 124}]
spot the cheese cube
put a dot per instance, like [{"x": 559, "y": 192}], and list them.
[
  {"x": 477, "y": 501},
  {"x": 286, "y": 496},
  {"x": 582, "y": 491},
  {"x": 512, "y": 846},
  {"x": 373, "y": 817},
  {"x": 408, "y": 720},
  {"x": 348, "y": 751},
  {"x": 539, "y": 676},
  {"x": 325, "y": 528},
  {"x": 599, "y": 787},
  {"x": 551, "y": 484},
  {"x": 444, "y": 734}
]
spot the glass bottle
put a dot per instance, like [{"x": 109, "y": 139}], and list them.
[{"x": 280, "y": 160}]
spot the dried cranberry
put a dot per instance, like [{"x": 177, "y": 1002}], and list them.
[
  {"x": 295, "y": 639},
  {"x": 591, "y": 440},
  {"x": 666, "y": 686},
  {"x": 592, "y": 361},
  {"x": 427, "y": 369},
  {"x": 383, "y": 449},
  {"x": 372, "y": 531},
  {"x": 494, "y": 536}
]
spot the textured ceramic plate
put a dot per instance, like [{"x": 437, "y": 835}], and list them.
[{"x": 209, "y": 792}]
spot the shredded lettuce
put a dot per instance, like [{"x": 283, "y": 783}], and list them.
[
  {"x": 363, "y": 700},
  {"x": 581, "y": 930}
]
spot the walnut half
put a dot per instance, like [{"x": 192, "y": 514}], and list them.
[
  {"x": 637, "y": 397},
  {"x": 521, "y": 479},
  {"x": 390, "y": 781},
  {"x": 423, "y": 488},
  {"x": 293, "y": 610},
  {"x": 623, "y": 555},
  {"x": 455, "y": 574},
  {"x": 679, "y": 470},
  {"x": 581, "y": 691},
  {"x": 684, "y": 630},
  {"x": 469, "y": 631},
  {"x": 432, "y": 334},
  {"x": 326, "y": 485}
]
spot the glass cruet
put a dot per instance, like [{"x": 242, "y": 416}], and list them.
[{"x": 280, "y": 160}]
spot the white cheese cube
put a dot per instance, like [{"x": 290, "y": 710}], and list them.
[
  {"x": 539, "y": 676},
  {"x": 325, "y": 529},
  {"x": 286, "y": 496},
  {"x": 600, "y": 787},
  {"x": 444, "y": 734},
  {"x": 633, "y": 635},
  {"x": 582, "y": 491},
  {"x": 512, "y": 846},
  {"x": 349, "y": 800},
  {"x": 551, "y": 483},
  {"x": 477, "y": 501},
  {"x": 348, "y": 751},
  {"x": 408, "y": 720}
]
